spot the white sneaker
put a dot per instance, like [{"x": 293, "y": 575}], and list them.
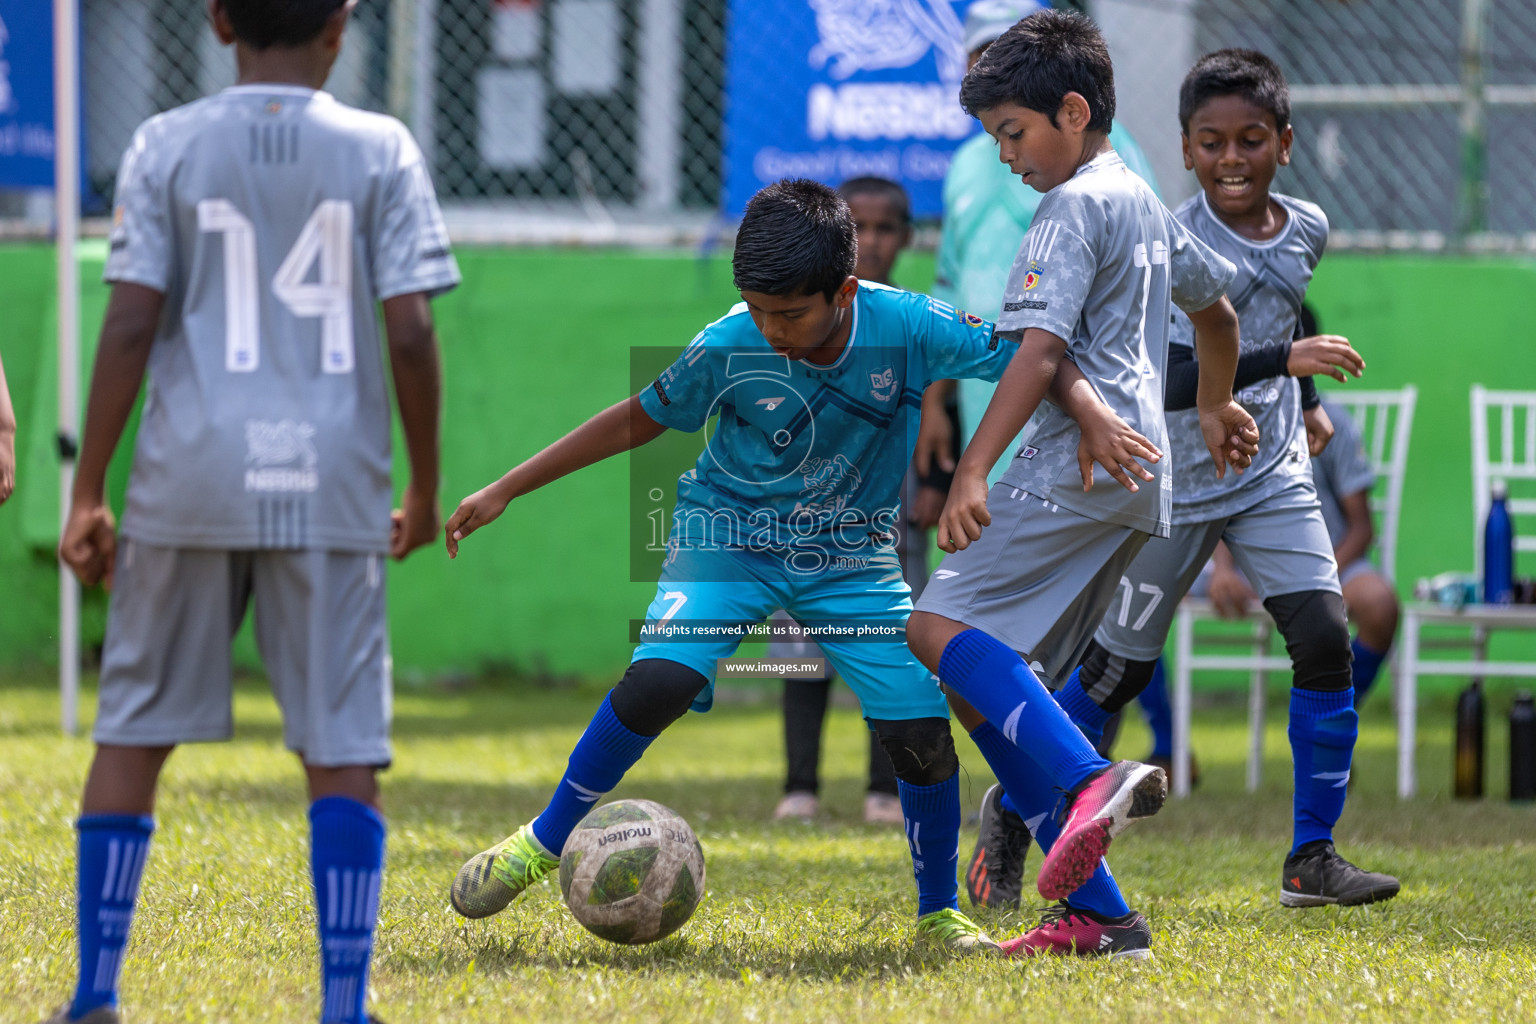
[
  {"x": 883, "y": 809},
  {"x": 798, "y": 806}
]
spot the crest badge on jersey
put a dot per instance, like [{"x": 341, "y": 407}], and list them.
[
  {"x": 1032, "y": 275},
  {"x": 883, "y": 383},
  {"x": 971, "y": 320}
]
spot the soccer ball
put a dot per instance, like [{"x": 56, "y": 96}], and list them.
[{"x": 632, "y": 872}]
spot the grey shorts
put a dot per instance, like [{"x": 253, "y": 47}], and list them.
[
  {"x": 1039, "y": 579},
  {"x": 1281, "y": 545},
  {"x": 320, "y": 627},
  {"x": 1359, "y": 567}
]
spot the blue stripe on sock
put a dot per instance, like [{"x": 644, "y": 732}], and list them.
[
  {"x": 603, "y": 754},
  {"x": 932, "y": 816},
  {"x": 994, "y": 680},
  {"x": 347, "y": 862},
  {"x": 113, "y": 849},
  {"x": 1323, "y": 729},
  {"x": 1035, "y": 800}
]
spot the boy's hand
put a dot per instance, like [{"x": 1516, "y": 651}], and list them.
[
  {"x": 1319, "y": 429},
  {"x": 475, "y": 511},
  {"x": 415, "y": 524},
  {"x": 1109, "y": 440},
  {"x": 1230, "y": 594},
  {"x": 1324, "y": 355},
  {"x": 1231, "y": 437},
  {"x": 89, "y": 543},
  {"x": 965, "y": 513}
]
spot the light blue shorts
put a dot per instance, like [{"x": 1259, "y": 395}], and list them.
[{"x": 865, "y": 601}]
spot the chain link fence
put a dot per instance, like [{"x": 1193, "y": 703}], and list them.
[{"x": 605, "y": 120}]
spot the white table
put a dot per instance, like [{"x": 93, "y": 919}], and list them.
[{"x": 1478, "y": 618}]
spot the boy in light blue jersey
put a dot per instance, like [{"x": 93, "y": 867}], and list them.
[
  {"x": 257, "y": 234},
  {"x": 1235, "y": 111},
  {"x": 816, "y": 379},
  {"x": 1035, "y": 560}
]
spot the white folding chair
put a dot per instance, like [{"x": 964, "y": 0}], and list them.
[
  {"x": 1513, "y": 459},
  {"x": 1385, "y": 419}
]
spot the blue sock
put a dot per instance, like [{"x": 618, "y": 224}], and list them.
[
  {"x": 995, "y": 681},
  {"x": 113, "y": 848},
  {"x": 603, "y": 754},
  {"x": 933, "y": 835},
  {"x": 1364, "y": 669},
  {"x": 1154, "y": 701},
  {"x": 1085, "y": 714},
  {"x": 347, "y": 857},
  {"x": 1322, "y": 730},
  {"x": 1034, "y": 799}
]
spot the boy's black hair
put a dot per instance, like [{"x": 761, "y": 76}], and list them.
[
  {"x": 1246, "y": 73},
  {"x": 263, "y": 23},
  {"x": 1037, "y": 62},
  {"x": 883, "y": 188},
  {"x": 796, "y": 238}
]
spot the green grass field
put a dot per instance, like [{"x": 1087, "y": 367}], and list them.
[{"x": 799, "y": 923}]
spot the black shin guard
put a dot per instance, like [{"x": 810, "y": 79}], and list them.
[
  {"x": 1111, "y": 681},
  {"x": 653, "y": 694},
  {"x": 1316, "y": 635},
  {"x": 922, "y": 749}
]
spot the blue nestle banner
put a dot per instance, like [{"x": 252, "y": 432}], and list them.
[
  {"x": 836, "y": 89},
  {"x": 26, "y": 94}
]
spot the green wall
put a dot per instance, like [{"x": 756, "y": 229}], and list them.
[{"x": 537, "y": 340}]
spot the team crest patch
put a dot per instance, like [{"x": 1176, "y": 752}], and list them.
[
  {"x": 1032, "y": 275},
  {"x": 1029, "y": 452},
  {"x": 882, "y": 383},
  {"x": 971, "y": 320}
]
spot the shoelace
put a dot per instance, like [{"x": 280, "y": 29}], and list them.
[
  {"x": 1057, "y": 914},
  {"x": 1015, "y": 848},
  {"x": 534, "y": 864}
]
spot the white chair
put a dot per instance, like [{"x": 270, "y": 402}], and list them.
[
  {"x": 1508, "y": 452},
  {"x": 1386, "y": 422}
]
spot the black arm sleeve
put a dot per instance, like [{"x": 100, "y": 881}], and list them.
[
  {"x": 1310, "y": 399},
  {"x": 1183, "y": 377}
]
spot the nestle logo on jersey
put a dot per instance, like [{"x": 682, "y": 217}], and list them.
[
  {"x": 281, "y": 456},
  {"x": 1014, "y": 307}
]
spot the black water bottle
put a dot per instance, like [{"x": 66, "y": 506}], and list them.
[
  {"x": 1469, "y": 742},
  {"x": 1522, "y": 747}
]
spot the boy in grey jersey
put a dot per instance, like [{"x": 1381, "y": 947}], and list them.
[
  {"x": 256, "y": 233},
  {"x": 1034, "y": 563},
  {"x": 1236, "y": 118}
]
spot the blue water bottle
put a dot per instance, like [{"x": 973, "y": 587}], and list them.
[{"x": 1499, "y": 549}]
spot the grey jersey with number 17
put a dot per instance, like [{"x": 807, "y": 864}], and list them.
[
  {"x": 1271, "y": 282},
  {"x": 1101, "y": 266},
  {"x": 273, "y": 219}
]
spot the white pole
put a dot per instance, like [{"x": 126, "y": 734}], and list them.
[{"x": 66, "y": 191}]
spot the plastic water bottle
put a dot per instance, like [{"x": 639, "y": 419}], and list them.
[
  {"x": 1499, "y": 549},
  {"x": 1522, "y": 747},
  {"x": 1468, "y": 778}
]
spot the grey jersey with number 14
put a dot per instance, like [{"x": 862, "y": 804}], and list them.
[
  {"x": 1271, "y": 283},
  {"x": 273, "y": 219},
  {"x": 1101, "y": 266}
]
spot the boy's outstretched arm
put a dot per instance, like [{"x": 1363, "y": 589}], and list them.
[
  {"x": 1029, "y": 376},
  {"x": 415, "y": 365},
  {"x": 1230, "y": 433},
  {"x": 616, "y": 429},
  {"x": 7, "y": 441},
  {"x": 88, "y": 544}
]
